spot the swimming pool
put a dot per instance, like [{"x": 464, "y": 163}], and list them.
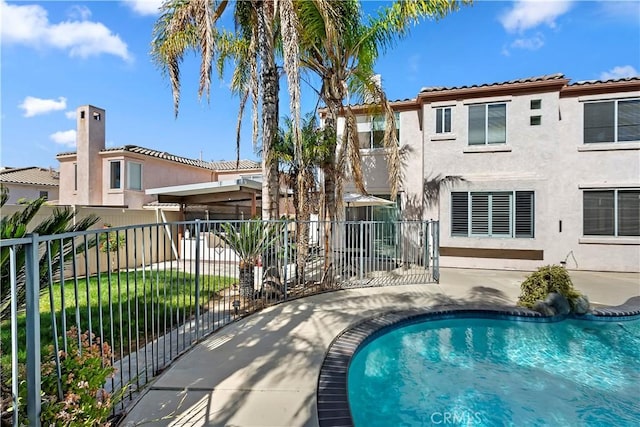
[{"x": 479, "y": 371}]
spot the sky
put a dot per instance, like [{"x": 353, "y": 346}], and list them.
[{"x": 58, "y": 55}]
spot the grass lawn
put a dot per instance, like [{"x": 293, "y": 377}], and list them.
[{"x": 129, "y": 307}]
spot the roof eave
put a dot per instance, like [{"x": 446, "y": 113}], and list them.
[
  {"x": 493, "y": 90},
  {"x": 598, "y": 88}
]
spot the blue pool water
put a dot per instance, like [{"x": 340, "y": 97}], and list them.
[{"x": 484, "y": 372}]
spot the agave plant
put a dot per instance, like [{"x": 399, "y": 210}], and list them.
[{"x": 249, "y": 240}]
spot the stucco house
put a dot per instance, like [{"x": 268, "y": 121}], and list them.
[
  {"x": 30, "y": 183},
  {"x": 136, "y": 177},
  {"x": 543, "y": 171}
]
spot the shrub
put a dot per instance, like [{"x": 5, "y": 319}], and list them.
[
  {"x": 547, "y": 279},
  {"x": 84, "y": 370}
]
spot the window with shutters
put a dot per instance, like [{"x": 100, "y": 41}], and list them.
[
  {"x": 611, "y": 212},
  {"x": 493, "y": 214},
  {"x": 488, "y": 124},
  {"x": 612, "y": 121}
]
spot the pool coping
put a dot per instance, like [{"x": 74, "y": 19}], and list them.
[{"x": 332, "y": 395}]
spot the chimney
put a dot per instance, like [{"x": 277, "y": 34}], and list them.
[
  {"x": 377, "y": 80},
  {"x": 90, "y": 140}
]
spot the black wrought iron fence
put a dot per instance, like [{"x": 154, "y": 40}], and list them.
[{"x": 137, "y": 297}]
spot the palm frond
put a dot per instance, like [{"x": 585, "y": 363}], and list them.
[{"x": 432, "y": 187}]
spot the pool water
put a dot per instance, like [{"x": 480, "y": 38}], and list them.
[{"x": 484, "y": 372}]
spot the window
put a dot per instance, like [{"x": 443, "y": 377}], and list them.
[
  {"x": 535, "y": 120},
  {"x": 114, "y": 179},
  {"x": 612, "y": 121},
  {"x": 611, "y": 213},
  {"x": 134, "y": 176},
  {"x": 75, "y": 177},
  {"x": 44, "y": 195},
  {"x": 536, "y": 104},
  {"x": 443, "y": 120},
  {"x": 374, "y": 136},
  {"x": 493, "y": 214},
  {"x": 487, "y": 124}
]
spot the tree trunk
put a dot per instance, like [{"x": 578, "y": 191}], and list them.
[
  {"x": 330, "y": 169},
  {"x": 270, "y": 87},
  {"x": 246, "y": 278}
]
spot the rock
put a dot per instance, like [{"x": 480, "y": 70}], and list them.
[
  {"x": 271, "y": 289},
  {"x": 559, "y": 303},
  {"x": 544, "y": 308},
  {"x": 581, "y": 304}
]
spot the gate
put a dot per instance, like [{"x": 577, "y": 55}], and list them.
[{"x": 382, "y": 253}]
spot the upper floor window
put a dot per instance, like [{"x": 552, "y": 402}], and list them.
[
  {"x": 134, "y": 176},
  {"x": 443, "y": 120},
  {"x": 75, "y": 177},
  {"x": 373, "y": 137},
  {"x": 611, "y": 213},
  {"x": 492, "y": 214},
  {"x": 115, "y": 175},
  {"x": 612, "y": 121},
  {"x": 44, "y": 195},
  {"x": 488, "y": 124}
]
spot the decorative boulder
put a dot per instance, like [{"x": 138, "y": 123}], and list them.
[
  {"x": 544, "y": 308},
  {"x": 559, "y": 303},
  {"x": 580, "y": 304}
]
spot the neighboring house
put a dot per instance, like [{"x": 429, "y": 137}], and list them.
[
  {"x": 30, "y": 183},
  {"x": 551, "y": 171},
  {"x": 133, "y": 177}
]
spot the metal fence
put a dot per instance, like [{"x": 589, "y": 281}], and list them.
[{"x": 152, "y": 291}]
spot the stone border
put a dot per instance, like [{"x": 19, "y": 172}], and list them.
[{"x": 332, "y": 395}]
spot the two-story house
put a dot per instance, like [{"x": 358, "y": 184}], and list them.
[
  {"x": 136, "y": 177},
  {"x": 536, "y": 171}
]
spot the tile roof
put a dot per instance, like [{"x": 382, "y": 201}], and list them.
[
  {"x": 30, "y": 175},
  {"x": 219, "y": 166},
  {"x": 548, "y": 77},
  {"x": 593, "y": 82},
  {"x": 225, "y": 165}
]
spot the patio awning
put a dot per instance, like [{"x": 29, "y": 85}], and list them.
[{"x": 237, "y": 192}]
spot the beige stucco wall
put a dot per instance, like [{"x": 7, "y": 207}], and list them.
[
  {"x": 155, "y": 173},
  {"x": 118, "y": 217},
  {"x": 546, "y": 159},
  {"x": 29, "y": 192},
  {"x": 549, "y": 159}
]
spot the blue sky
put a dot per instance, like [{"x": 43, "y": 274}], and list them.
[{"x": 56, "y": 56}]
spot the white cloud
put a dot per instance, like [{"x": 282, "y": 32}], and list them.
[
  {"x": 70, "y": 115},
  {"x": 145, "y": 7},
  {"x": 35, "y": 106},
  {"x": 29, "y": 25},
  {"x": 531, "y": 43},
  {"x": 64, "y": 137},
  {"x": 81, "y": 13},
  {"x": 527, "y": 14},
  {"x": 621, "y": 10},
  {"x": 619, "y": 72}
]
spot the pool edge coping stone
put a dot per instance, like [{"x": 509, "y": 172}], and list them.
[{"x": 332, "y": 397}]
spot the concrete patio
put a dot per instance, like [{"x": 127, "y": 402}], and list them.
[{"x": 263, "y": 370}]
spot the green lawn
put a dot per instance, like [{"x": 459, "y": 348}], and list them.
[{"x": 129, "y": 307}]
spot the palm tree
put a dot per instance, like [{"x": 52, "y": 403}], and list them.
[
  {"x": 191, "y": 26},
  {"x": 299, "y": 174},
  {"x": 341, "y": 48},
  {"x": 15, "y": 226}
]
